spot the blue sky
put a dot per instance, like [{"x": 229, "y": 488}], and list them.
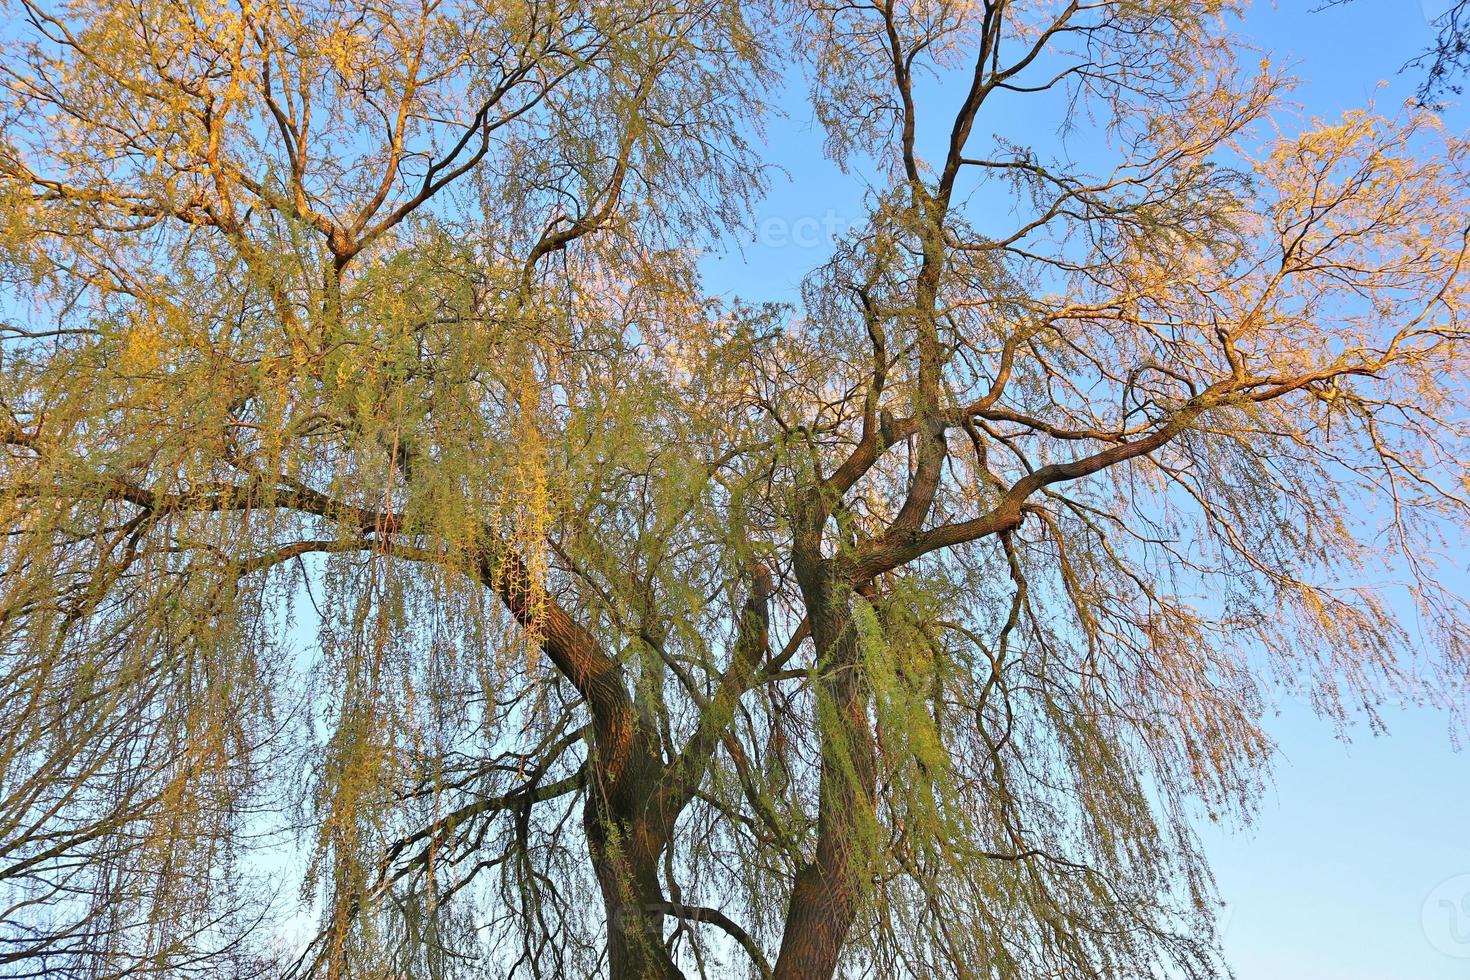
[{"x": 1352, "y": 869}]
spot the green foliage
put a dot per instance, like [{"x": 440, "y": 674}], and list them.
[{"x": 409, "y": 570}]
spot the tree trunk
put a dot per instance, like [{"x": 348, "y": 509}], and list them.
[
  {"x": 829, "y": 889},
  {"x": 625, "y": 845},
  {"x": 635, "y": 935},
  {"x": 824, "y": 904}
]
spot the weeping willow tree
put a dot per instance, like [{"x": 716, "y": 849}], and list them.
[{"x": 410, "y": 570}]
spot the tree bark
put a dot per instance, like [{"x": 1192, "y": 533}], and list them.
[
  {"x": 625, "y": 842},
  {"x": 829, "y": 889}
]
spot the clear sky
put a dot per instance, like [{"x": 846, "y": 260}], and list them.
[{"x": 1352, "y": 869}]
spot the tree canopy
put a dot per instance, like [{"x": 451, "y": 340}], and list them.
[{"x": 411, "y": 569}]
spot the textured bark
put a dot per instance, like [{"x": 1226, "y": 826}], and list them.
[
  {"x": 626, "y": 841},
  {"x": 829, "y": 889},
  {"x": 633, "y": 901}
]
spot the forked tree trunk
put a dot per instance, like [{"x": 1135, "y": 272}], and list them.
[{"x": 626, "y": 833}]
